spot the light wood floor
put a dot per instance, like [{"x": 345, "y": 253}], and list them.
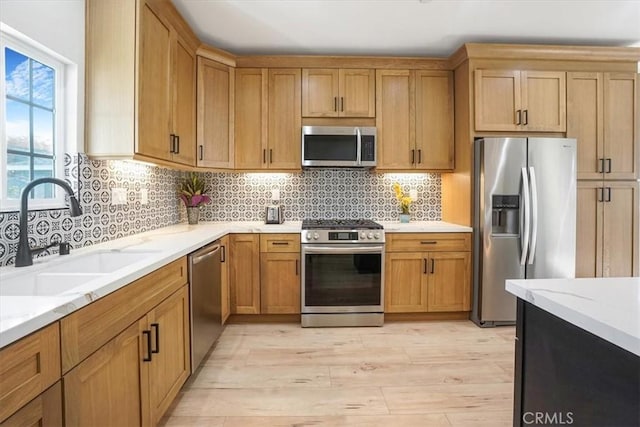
[{"x": 409, "y": 374}]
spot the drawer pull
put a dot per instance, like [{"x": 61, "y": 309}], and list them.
[
  {"x": 280, "y": 243},
  {"x": 428, "y": 242}
]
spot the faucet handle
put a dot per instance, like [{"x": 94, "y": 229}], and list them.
[{"x": 64, "y": 248}]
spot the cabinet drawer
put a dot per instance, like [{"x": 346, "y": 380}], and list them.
[
  {"x": 27, "y": 368},
  {"x": 280, "y": 242},
  {"x": 45, "y": 411},
  {"x": 422, "y": 242},
  {"x": 89, "y": 328}
]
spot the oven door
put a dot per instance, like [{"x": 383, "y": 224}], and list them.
[{"x": 342, "y": 278}]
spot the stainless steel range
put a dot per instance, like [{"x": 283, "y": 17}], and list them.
[{"x": 342, "y": 273}]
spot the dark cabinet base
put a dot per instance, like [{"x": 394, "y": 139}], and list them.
[{"x": 565, "y": 375}]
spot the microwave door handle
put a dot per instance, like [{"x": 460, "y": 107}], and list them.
[{"x": 358, "y": 146}]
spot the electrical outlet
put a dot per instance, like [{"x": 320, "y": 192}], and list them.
[
  {"x": 413, "y": 194},
  {"x": 118, "y": 196},
  {"x": 144, "y": 196},
  {"x": 275, "y": 194}
]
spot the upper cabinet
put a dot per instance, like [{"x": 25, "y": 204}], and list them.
[
  {"x": 520, "y": 101},
  {"x": 215, "y": 114},
  {"x": 601, "y": 110},
  {"x": 332, "y": 92},
  {"x": 414, "y": 119},
  {"x": 140, "y": 83},
  {"x": 268, "y": 118}
]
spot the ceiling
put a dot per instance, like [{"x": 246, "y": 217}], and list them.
[{"x": 405, "y": 27}]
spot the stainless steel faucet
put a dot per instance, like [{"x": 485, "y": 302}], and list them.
[{"x": 24, "y": 256}]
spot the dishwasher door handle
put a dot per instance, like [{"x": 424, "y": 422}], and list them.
[{"x": 201, "y": 257}]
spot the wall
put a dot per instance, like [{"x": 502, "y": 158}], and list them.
[
  {"x": 100, "y": 221},
  {"x": 320, "y": 193}
]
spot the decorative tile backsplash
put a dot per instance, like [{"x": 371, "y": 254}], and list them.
[
  {"x": 320, "y": 193},
  {"x": 314, "y": 193}
]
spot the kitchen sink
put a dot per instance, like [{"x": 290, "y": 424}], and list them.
[
  {"x": 44, "y": 284},
  {"x": 103, "y": 261}
]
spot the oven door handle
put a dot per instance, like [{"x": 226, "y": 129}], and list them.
[{"x": 330, "y": 250}]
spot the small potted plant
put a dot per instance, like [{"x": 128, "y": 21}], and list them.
[
  {"x": 192, "y": 192},
  {"x": 404, "y": 201}
]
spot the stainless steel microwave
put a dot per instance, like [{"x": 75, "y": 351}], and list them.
[{"x": 338, "y": 146}]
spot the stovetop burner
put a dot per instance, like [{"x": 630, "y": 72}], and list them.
[{"x": 340, "y": 224}]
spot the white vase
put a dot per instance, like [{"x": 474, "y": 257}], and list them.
[{"x": 404, "y": 218}]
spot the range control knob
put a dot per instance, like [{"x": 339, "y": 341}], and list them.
[
  {"x": 376, "y": 236},
  {"x": 316, "y": 236},
  {"x": 363, "y": 235},
  {"x": 370, "y": 236},
  {"x": 308, "y": 235}
]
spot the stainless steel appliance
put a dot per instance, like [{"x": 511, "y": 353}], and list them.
[
  {"x": 338, "y": 146},
  {"x": 274, "y": 214},
  {"x": 205, "y": 300},
  {"x": 342, "y": 273},
  {"x": 524, "y": 219}
]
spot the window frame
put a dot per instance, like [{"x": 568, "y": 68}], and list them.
[{"x": 59, "y": 147}]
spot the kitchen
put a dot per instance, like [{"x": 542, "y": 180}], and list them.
[{"x": 439, "y": 196}]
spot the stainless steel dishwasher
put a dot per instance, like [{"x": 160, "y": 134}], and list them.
[{"x": 205, "y": 300}]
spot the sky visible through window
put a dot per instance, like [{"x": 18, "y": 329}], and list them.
[{"x": 30, "y": 123}]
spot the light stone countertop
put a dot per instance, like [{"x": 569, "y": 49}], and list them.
[
  {"x": 606, "y": 307},
  {"x": 22, "y": 315}
]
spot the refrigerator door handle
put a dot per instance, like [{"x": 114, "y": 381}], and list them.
[
  {"x": 524, "y": 237},
  {"x": 534, "y": 214}
]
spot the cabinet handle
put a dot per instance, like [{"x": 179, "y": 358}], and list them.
[
  {"x": 297, "y": 266},
  {"x": 157, "y": 334},
  {"x": 433, "y": 266},
  {"x": 608, "y": 199},
  {"x": 264, "y": 155},
  {"x": 424, "y": 266},
  {"x": 518, "y": 117},
  {"x": 270, "y": 155},
  {"x": 525, "y": 113},
  {"x": 342, "y": 103},
  {"x": 600, "y": 194},
  {"x": 413, "y": 156},
  {"x": 280, "y": 243},
  {"x": 601, "y": 168},
  {"x": 148, "y": 335},
  {"x": 419, "y": 156},
  {"x": 335, "y": 103},
  {"x": 428, "y": 242},
  {"x": 223, "y": 254},
  {"x": 608, "y": 165},
  {"x": 172, "y": 143},
  {"x": 177, "y": 144},
  {"x": 201, "y": 147}
]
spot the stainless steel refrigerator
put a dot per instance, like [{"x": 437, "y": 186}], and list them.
[{"x": 524, "y": 219}]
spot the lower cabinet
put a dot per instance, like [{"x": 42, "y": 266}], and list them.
[
  {"x": 265, "y": 273},
  {"x": 419, "y": 281}
]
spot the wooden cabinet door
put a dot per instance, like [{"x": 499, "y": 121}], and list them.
[
  {"x": 434, "y": 120},
  {"x": 497, "y": 99},
  {"x": 184, "y": 103},
  {"x": 285, "y": 120},
  {"x": 620, "y": 229},
  {"x": 589, "y": 210},
  {"x": 585, "y": 122},
  {"x": 43, "y": 411},
  {"x": 225, "y": 295},
  {"x": 405, "y": 282},
  {"x": 395, "y": 119},
  {"x": 544, "y": 96},
  {"x": 111, "y": 384},
  {"x": 215, "y": 113},
  {"x": 155, "y": 86},
  {"x": 620, "y": 139},
  {"x": 171, "y": 358},
  {"x": 280, "y": 282},
  {"x": 250, "y": 128},
  {"x": 320, "y": 92},
  {"x": 357, "y": 93},
  {"x": 244, "y": 273},
  {"x": 449, "y": 281}
]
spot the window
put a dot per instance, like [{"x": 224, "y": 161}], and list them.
[{"x": 32, "y": 135}]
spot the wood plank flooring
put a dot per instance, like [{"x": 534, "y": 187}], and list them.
[{"x": 408, "y": 374}]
